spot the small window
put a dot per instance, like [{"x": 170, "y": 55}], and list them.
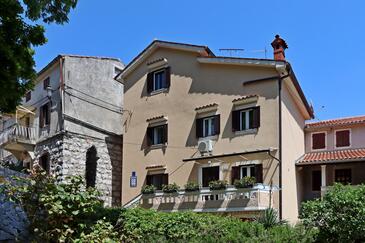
[
  {"x": 46, "y": 83},
  {"x": 316, "y": 180},
  {"x": 157, "y": 180},
  {"x": 44, "y": 162},
  {"x": 248, "y": 171},
  {"x": 44, "y": 116},
  {"x": 208, "y": 126},
  {"x": 158, "y": 80},
  {"x": 246, "y": 119},
  {"x": 319, "y": 140},
  {"x": 343, "y": 138},
  {"x": 343, "y": 176},
  {"x": 157, "y": 135},
  {"x": 28, "y": 96}
]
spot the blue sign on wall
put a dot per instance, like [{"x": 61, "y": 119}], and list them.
[{"x": 133, "y": 180}]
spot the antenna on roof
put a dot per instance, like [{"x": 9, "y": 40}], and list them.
[
  {"x": 231, "y": 51},
  {"x": 260, "y": 51}
]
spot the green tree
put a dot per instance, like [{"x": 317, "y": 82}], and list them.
[
  {"x": 339, "y": 216},
  {"x": 19, "y": 34}
]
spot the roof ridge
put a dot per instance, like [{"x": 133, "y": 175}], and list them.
[{"x": 336, "y": 119}]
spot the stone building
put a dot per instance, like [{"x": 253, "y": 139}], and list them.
[{"x": 69, "y": 123}]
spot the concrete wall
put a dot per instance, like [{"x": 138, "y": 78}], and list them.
[
  {"x": 357, "y": 137},
  {"x": 92, "y": 96},
  {"x": 192, "y": 85},
  {"x": 292, "y": 148}
]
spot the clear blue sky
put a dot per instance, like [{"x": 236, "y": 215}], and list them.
[{"x": 325, "y": 38}]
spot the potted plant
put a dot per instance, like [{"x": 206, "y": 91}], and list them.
[
  {"x": 217, "y": 185},
  {"x": 191, "y": 186},
  {"x": 170, "y": 188},
  {"x": 148, "y": 189},
  {"x": 245, "y": 182}
]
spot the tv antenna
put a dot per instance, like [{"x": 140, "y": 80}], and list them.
[{"x": 231, "y": 51}]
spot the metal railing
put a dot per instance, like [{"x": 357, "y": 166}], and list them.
[
  {"x": 16, "y": 132},
  {"x": 231, "y": 199}
]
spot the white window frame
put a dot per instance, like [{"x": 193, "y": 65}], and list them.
[
  {"x": 247, "y": 118},
  {"x": 200, "y": 171},
  {"x": 335, "y": 138},
  {"x": 325, "y": 140},
  {"x": 155, "y": 135},
  {"x": 211, "y": 120},
  {"x": 248, "y": 171},
  {"x": 154, "y": 80}
]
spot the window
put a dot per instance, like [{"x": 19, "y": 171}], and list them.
[
  {"x": 158, "y": 80},
  {"x": 208, "y": 126},
  {"x": 157, "y": 135},
  {"x": 46, "y": 83},
  {"x": 343, "y": 138},
  {"x": 44, "y": 115},
  {"x": 319, "y": 140},
  {"x": 44, "y": 162},
  {"x": 209, "y": 174},
  {"x": 343, "y": 176},
  {"x": 91, "y": 166},
  {"x": 28, "y": 96},
  {"x": 316, "y": 180},
  {"x": 246, "y": 119},
  {"x": 157, "y": 180},
  {"x": 238, "y": 172}
]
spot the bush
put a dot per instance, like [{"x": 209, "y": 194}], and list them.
[
  {"x": 217, "y": 185},
  {"x": 339, "y": 216},
  {"x": 269, "y": 218},
  {"x": 100, "y": 232},
  {"x": 148, "y": 189},
  {"x": 170, "y": 188},
  {"x": 245, "y": 182},
  {"x": 192, "y": 186}
]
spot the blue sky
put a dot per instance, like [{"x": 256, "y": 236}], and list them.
[{"x": 325, "y": 38}]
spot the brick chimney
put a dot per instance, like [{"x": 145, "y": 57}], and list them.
[{"x": 279, "y": 46}]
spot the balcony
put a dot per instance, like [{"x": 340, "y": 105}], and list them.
[
  {"x": 231, "y": 199},
  {"x": 18, "y": 138}
]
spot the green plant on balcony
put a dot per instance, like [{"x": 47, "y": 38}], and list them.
[
  {"x": 170, "y": 188},
  {"x": 191, "y": 186},
  {"x": 148, "y": 189},
  {"x": 217, "y": 185},
  {"x": 245, "y": 182}
]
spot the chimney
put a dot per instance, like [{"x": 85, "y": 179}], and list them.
[{"x": 279, "y": 46}]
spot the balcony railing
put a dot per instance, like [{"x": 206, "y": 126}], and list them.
[
  {"x": 18, "y": 133},
  {"x": 229, "y": 200}
]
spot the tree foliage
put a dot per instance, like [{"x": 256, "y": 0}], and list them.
[
  {"x": 19, "y": 34},
  {"x": 339, "y": 216}
]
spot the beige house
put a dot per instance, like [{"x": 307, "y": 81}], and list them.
[
  {"x": 335, "y": 152},
  {"x": 193, "y": 116}
]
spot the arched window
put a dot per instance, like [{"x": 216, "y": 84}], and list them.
[
  {"x": 91, "y": 165},
  {"x": 44, "y": 162}
]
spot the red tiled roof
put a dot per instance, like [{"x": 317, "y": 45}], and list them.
[
  {"x": 244, "y": 97},
  {"x": 206, "y": 106},
  {"x": 332, "y": 156},
  {"x": 337, "y": 122}
]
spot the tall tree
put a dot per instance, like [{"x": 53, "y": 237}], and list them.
[{"x": 19, "y": 34}]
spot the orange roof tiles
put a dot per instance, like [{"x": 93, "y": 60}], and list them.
[
  {"x": 332, "y": 156},
  {"x": 337, "y": 122}
]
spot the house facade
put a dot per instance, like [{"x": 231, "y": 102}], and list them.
[
  {"x": 191, "y": 116},
  {"x": 335, "y": 153},
  {"x": 69, "y": 124}
]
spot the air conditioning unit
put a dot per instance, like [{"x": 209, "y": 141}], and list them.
[{"x": 205, "y": 146}]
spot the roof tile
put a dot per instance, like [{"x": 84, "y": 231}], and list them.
[
  {"x": 332, "y": 156},
  {"x": 337, "y": 122}
]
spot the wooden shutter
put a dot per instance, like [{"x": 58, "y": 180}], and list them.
[
  {"x": 149, "y": 180},
  {"x": 258, "y": 173},
  {"x": 256, "y": 117},
  {"x": 149, "y": 135},
  {"x": 150, "y": 82},
  {"x": 343, "y": 138},
  {"x": 165, "y": 134},
  {"x": 199, "y": 127},
  {"x": 45, "y": 83},
  {"x": 168, "y": 77},
  {"x": 235, "y": 173},
  {"x": 217, "y": 124},
  {"x": 165, "y": 179},
  {"x": 236, "y": 120},
  {"x": 318, "y": 141},
  {"x": 47, "y": 108},
  {"x": 41, "y": 117}
]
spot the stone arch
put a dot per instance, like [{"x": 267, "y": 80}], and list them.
[{"x": 91, "y": 166}]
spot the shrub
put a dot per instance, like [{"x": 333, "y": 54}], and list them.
[
  {"x": 192, "y": 186},
  {"x": 217, "y": 185},
  {"x": 170, "y": 188},
  {"x": 148, "y": 189},
  {"x": 102, "y": 231},
  {"x": 339, "y": 216},
  {"x": 269, "y": 218},
  {"x": 245, "y": 182}
]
